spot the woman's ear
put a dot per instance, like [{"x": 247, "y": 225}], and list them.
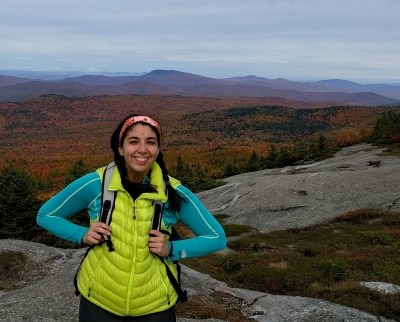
[{"x": 120, "y": 150}]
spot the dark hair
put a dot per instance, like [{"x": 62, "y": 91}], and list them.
[{"x": 173, "y": 197}]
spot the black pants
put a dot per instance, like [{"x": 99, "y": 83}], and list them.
[{"x": 89, "y": 312}]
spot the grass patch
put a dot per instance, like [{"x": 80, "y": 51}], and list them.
[
  {"x": 219, "y": 305},
  {"x": 324, "y": 261},
  {"x": 11, "y": 262},
  {"x": 232, "y": 230},
  {"x": 391, "y": 149}
]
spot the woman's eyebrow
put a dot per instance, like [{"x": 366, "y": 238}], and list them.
[{"x": 138, "y": 137}]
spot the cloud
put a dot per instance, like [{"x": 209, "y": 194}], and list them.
[{"x": 312, "y": 38}]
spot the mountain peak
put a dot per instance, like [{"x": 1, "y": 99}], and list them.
[{"x": 168, "y": 77}]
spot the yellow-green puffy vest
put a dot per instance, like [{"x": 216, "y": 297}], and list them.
[{"x": 131, "y": 281}]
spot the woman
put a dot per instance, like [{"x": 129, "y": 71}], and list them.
[{"x": 131, "y": 283}]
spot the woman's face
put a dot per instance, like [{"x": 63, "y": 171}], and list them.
[{"x": 139, "y": 149}]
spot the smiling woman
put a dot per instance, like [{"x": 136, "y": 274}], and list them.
[{"x": 128, "y": 281}]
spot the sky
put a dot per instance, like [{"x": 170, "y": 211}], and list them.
[{"x": 357, "y": 40}]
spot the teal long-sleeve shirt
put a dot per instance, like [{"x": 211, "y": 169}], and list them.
[{"x": 85, "y": 194}]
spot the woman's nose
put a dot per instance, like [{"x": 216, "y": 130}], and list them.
[{"x": 142, "y": 147}]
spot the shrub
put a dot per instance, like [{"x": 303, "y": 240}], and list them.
[
  {"x": 309, "y": 252},
  {"x": 391, "y": 219},
  {"x": 230, "y": 263},
  {"x": 332, "y": 270},
  {"x": 385, "y": 238},
  {"x": 388, "y": 270},
  {"x": 274, "y": 280},
  {"x": 360, "y": 216}
]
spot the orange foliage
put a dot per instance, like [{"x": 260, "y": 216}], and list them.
[
  {"x": 348, "y": 136},
  {"x": 47, "y": 134}
]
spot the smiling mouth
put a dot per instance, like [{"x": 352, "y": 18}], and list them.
[{"x": 141, "y": 160}]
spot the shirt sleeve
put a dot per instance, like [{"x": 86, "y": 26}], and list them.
[
  {"x": 82, "y": 194},
  {"x": 209, "y": 234}
]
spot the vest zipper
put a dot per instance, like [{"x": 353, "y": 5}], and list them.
[{"x": 127, "y": 309}]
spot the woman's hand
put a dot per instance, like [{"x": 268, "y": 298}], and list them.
[
  {"x": 157, "y": 243},
  {"x": 95, "y": 233}
]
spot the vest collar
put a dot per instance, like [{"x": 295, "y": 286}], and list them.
[{"x": 156, "y": 180}]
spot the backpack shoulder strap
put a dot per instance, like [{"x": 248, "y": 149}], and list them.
[
  {"x": 158, "y": 207},
  {"x": 176, "y": 283},
  {"x": 156, "y": 224},
  {"x": 107, "y": 201}
]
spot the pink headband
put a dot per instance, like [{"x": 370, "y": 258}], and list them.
[{"x": 137, "y": 119}]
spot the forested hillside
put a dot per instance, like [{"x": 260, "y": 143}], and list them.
[{"x": 47, "y": 135}]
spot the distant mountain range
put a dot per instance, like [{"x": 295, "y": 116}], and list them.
[{"x": 21, "y": 86}]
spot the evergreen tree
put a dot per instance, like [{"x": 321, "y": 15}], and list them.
[
  {"x": 387, "y": 129},
  {"x": 270, "y": 160},
  {"x": 253, "y": 164},
  {"x": 77, "y": 170},
  {"x": 283, "y": 158},
  {"x": 182, "y": 171},
  {"x": 194, "y": 177},
  {"x": 319, "y": 148},
  {"x": 322, "y": 146},
  {"x": 228, "y": 170},
  {"x": 18, "y": 204},
  {"x": 233, "y": 168}
]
